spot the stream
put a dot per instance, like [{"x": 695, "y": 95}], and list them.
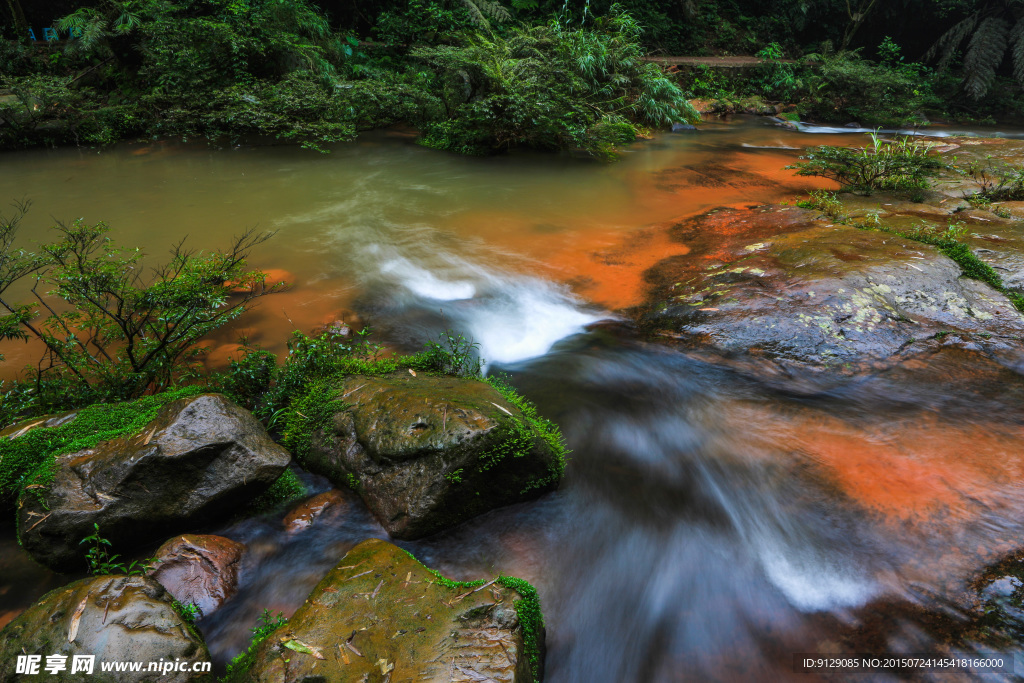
[{"x": 711, "y": 525}]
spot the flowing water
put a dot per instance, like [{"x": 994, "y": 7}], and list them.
[{"x": 710, "y": 526}]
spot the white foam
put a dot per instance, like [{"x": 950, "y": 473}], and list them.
[
  {"x": 812, "y": 583},
  {"x": 422, "y": 282}
]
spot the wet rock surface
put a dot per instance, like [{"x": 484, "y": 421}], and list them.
[
  {"x": 426, "y": 453},
  {"x": 781, "y": 284},
  {"x": 199, "y": 569},
  {"x": 199, "y": 458},
  {"x": 114, "y": 618},
  {"x": 381, "y": 615}
]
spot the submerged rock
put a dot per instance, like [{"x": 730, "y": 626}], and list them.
[
  {"x": 200, "y": 457},
  {"x": 327, "y": 504},
  {"x": 780, "y": 284},
  {"x": 426, "y": 453},
  {"x": 201, "y": 570},
  {"x": 114, "y": 619},
  {"x": 381, "y": 615}
]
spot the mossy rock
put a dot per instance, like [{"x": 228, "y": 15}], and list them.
[
  {"x": 426, "y": 452},
  {"x": 381, "y": 615},
  {"x": 200, "y": 457},
  {"x": 115, "y": 619}
]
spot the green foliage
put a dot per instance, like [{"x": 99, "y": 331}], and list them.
[
  {"x": 454, "y": 355},
  {"x": 102, "y": 563},
  {"x": 520, "y": 435},
  {"x": 992, "y": 32},
  {"x": 287, "y": 488},
  {"x": 248, "y": 378},
  {"x": 311, "y": 412},
  {"x": 266, "y": 624},
  {"x": 997, "y": 180},
  {"x": 122, "y": 331},
  {"x": 189, "y": 611},
  {"x": 311, "y": 359},
  {"x": 548, "y": 87},
  {"x": 27, "y": 461},
  {"x": 844, "y": 87},
  {"x": 901, "y": 164},
  {"x": 826, "y": 202}
]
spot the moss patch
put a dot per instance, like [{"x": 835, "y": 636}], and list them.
[
  {"x": 527, "y": 607},
  {"x": 287, "y": 488},
  {"x": 520, "y": 436},
  {"x": 28, "y": 462}
]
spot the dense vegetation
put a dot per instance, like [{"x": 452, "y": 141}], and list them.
[
  {"x": 227, "y": 68},
  {"x": 482, "y": 76}
]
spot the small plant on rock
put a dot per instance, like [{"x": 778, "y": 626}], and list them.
[
  {"x": 101, "y": 562},
  {"x": 902, "y": 164}
]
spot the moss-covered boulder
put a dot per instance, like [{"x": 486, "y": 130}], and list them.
[
  {"x": 198, "y": 457},
  {"x": 426, "y": 452},
  {"x": 199, "y": 569},
  {"x": 114, "y": 619},
  {"x": 381, "y": 615}
]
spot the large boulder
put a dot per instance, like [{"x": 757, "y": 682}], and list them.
[
  {"x": 200, "y": 457},
  {"x": 113, "y": 618},
  {"x": 428, "y": 452},
  {"x": 199, "y": 569},
  {"x": 381, "y": 615},
  {"x": 822, "y": 294}
]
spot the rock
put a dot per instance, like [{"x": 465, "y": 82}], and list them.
[
  {"x": 114, "y": 618},
  {"x": 202, "y": 570},
  {"x": 381, "y": 615},
  {"x": 201, "y": 457},
  {"x": 819, "y": 294},
  {"x": 327, "y": 504},
  {"x": 426, "y": 453}
]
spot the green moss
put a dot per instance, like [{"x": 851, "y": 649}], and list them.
[
  {"x": 310, "y": 412},
  {"x": 287, "y": 488},
  {"x": 28, "y": 462},
  {"x": 519, "y": 434},
  {"x": 528, "y": 609},
  {"x": 266, "y": 625}
]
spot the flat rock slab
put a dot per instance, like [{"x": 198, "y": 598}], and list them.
[
  {"x": 819, "y": 293},
  {"x": 114, "y": 618},
  {"x": 427, "y": 453},
  {"x": 200, "y": 457},
  {"x": 199, "y": 569},
  {"x": 381, "y": 615}
]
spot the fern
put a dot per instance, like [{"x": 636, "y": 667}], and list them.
[
  {"x": 988, "y": 32},
  {"x": 480, "y": 10},
  {"x": 1017, "y": 50},
  {"x": 984, "y": 53}
]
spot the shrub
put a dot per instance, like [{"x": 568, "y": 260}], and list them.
[
  {"x": 998, "y": 181},
  {"x": 123, "y": 331},
  {"x": 902, "y": 164},
  {"x": 843, "y": 87}
]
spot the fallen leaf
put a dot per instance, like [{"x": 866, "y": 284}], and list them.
[
  {"x": 75, "y": 618},
  {"x": 504, "y": 410},
  {"x": 353, "y": 648},
  {"x": 412, "y": 372},
  {"x": 385, "y": 666},
  {"x": 300, "y": 646},
  {"x": 377, "y": 589}
]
